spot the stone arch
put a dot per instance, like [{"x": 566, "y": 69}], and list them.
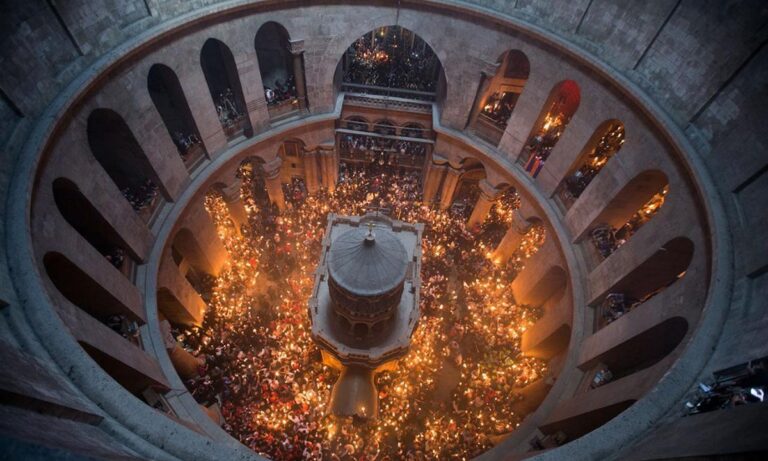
[
  {"x": 633, "y": 206},
  {"x": 220, "y": 71},
  {"x": 385, "y": 127},
  {"x": 411, "y": 48},
  {"x": 497, "y": 96},
  {"x": 357, "y": 123},
  {"x": 83, "y": 291},
  {"x": 168, "y": 97},
  {"x": 80, "y": 213},
  {"x": 116, "y": 149},
  {"x": 652, "y": 276},
  {"x": 605, "y": 142},
  {"x": 560, "y": 106}
]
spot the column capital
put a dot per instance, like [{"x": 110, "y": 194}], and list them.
[
  {"x": 296, "y": 47},
  {"x": 488, "y": 69},
  {"x": 489, "y": 191},
  {"x": 521, "y": 223},
  {"x": 272, "y": 167}
]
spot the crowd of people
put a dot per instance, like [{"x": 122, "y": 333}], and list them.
[
  {"x": 451, "y": 397},
  {"x": 499, "y": 107},
  {"x": 228, "y": 109},
  {"x": 280, "y": 91},
  {"x": 185, "y": 143},
  {"x": 142, "y": 195},
  {"x": 382, "y": 58},
  {"x": 606, "y": 239},
  {"x": 386, "y": 151},
  {"x": 606, "y": 147}
]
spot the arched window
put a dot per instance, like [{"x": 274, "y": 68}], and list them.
[
  {"x": 168, "y": 97},
  {"x": 384, "y": 127},
  {"x": 664, "y": 267},
  {"x": 466, "y": 192},
  {"x": 605, "y": 142},
  {"x": 78, "y": 211},
  {"x": 278, "y": 68},
  {"x": 413, "y": 130},
  {"x": 635, "y": 204},
  {"x": 220, "y": 72},
  {"x": 498, "y": 95},
  {"x": 391, "y": 61},
  {"x": 356, "y": 123},
  {"x": 561, "y": 105},
  {"x": 86, "y": 293},
  {"x": 116, "y": 149}
]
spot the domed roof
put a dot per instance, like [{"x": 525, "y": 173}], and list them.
[{"x": 368, "y": 264}]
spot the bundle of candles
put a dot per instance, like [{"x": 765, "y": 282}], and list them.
[{"x": 451, "y": 397}]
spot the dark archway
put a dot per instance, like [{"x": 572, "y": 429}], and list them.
[
  {"x": 283, "y": 88},
  {"x": 80, "y": 213},
  {"x": 605, "y": 142},
  {"x": 498, "y": 95},
  {"x": 117, "y": 151},
  {"x": 220, "y": 72},
  {"x": 391, "y": 61},
  {"x": 169, "y": 99},
  {"x": 561, "y": 105}
]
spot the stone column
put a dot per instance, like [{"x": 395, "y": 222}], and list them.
[
  {"x": 488, "y": 195},
  {"x": 486, "y": 77},
  {"x": 512, "y": 239},
  {"x": 435, "y": 174},
  {"x": 311, "y": 171},
  {"x": 186, "y": 364},
  {"x": 452, "y": 176},
  {"x": 297, "y": 53},
  {"x": 274, "y": 185},
  {"x": 330, "y": 167},
  {"x": 235, "y": 205}
]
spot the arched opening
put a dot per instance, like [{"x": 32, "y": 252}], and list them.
[
  {"x": 413, "y": 130},
  {"x": 86, "y": 293},
  {"x": 356, "y": 123},
  {"x": 78, "y": 211},
  {"x": 169, "y": 99},
  {"x": 254, "y": 193},
  {"x": 498, "y": 95},
  {"x": 117, "y": 151},
  {"x": 391, "y": 61},
  {"x": 278, "y": 71},
  {"x": 636, "y": 204},
  {"x": 577, "y": 426},
  {"x": 561, "y": 105},
  {"x": 223, "y": 81},
  {"x": 605, "y": 142},
  {"x": 384, "y": 127},
  {"x": 467, "y": 191},
  {"x": 636, "y": 353},
  {"x": 664, "y": 267},
  {"x": 193, "y": 262}
]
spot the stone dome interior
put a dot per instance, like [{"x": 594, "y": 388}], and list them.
[{"x": 588, "y": 179}]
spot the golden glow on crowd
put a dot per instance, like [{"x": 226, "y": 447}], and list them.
[{"x": 452, "y": 397}]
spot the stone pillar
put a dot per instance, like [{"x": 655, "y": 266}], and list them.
[
  {"x": 330, "y": 167},
  {"x": 186, "y": 364},
  {"x": 235, "y": 205},
  {"x": 435, "y": 175},
  {"x": 452, "y": 176},
  {"x": 297, "y": 53},
  {"x": 512, "y": 239},
  {"x": 274, "y": 185},
  {"x": 488, "y": 195},
  {"x": 311, "y": 171},
  {"x": 486, "y": 77}
]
